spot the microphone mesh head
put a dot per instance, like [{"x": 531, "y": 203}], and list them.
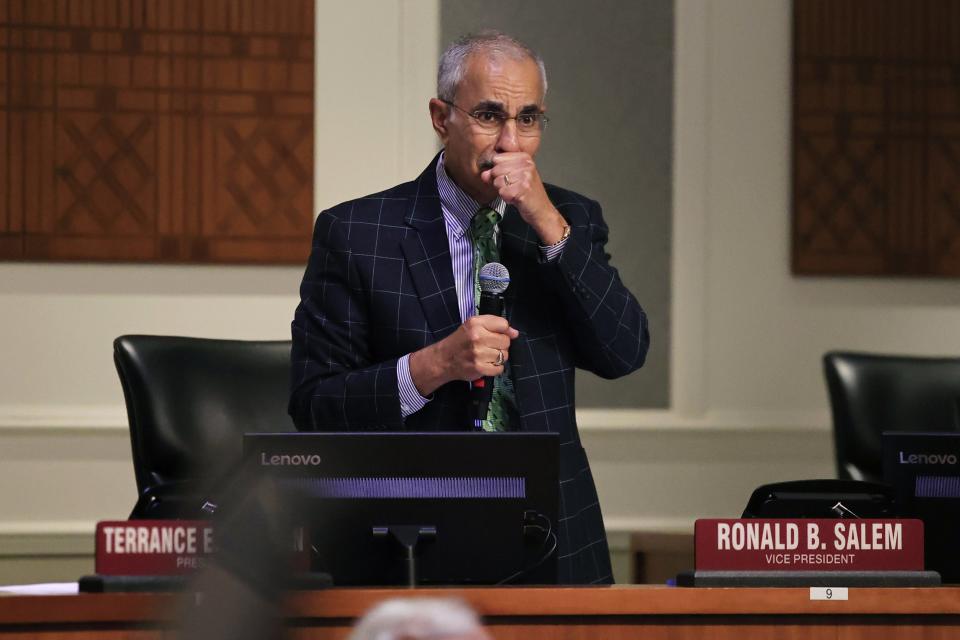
[{"x": 494, "y": 278}]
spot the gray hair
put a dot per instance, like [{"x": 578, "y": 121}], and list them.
[
  {"x": 453, "y": 62},
  {"x": 419, "y": 619}
]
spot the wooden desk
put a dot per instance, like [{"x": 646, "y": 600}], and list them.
[{"x": 521, "y": 612}]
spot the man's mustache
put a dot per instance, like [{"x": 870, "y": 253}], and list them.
[{"x": 486, "y": 163}]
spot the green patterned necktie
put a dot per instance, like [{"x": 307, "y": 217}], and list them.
[{"x": 485, "y": 250}]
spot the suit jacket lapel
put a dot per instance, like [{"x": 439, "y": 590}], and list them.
[
  {"x": 427, "y": 253},
  {"x": 518, "y": 250}
]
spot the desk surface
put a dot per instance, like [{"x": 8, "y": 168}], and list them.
[{"x": 557, "y": 612}]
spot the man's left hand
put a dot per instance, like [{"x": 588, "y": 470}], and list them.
[{"x": 518, "y": 182}]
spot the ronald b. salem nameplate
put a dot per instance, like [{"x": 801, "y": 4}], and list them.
[{"x": 761, "y": 544}]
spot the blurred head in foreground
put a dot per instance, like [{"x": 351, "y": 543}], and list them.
[{"x": 420, "y": 619}]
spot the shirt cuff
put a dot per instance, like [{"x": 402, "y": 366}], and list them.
[
  {"x": 410, "y": 399},
  {"x": 551, "y": 253}
]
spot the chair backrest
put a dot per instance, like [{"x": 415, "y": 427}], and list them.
[
  {"x": 189, "y": 400},
  {"x": 871, "y": 393}
]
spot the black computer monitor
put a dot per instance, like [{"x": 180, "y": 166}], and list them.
[
  {"x": 485, "y": 504},
  {"x": 924, "y": 470}
]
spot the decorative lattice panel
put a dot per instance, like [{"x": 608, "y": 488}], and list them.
[
  {"x": 876, "y": 137},
  {"x": 156, "y": 130}
]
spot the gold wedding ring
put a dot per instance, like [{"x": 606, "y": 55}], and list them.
[
  {"x": 499, "y": 361},
  {"x": 506, "y": 179}
]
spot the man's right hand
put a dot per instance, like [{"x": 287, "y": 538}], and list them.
[{"x": 466, "y": 354}]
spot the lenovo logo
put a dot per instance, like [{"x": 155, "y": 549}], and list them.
[
  {"x": 927, "y": 458},
  {"x": 287, "y": 460}
]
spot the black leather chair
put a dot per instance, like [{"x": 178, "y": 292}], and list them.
[
  {"x": 189, "y": 400},
  {"x": 870, "y": 394}
]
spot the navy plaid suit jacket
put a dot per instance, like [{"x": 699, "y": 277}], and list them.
[{"x": 379, "y": 284}]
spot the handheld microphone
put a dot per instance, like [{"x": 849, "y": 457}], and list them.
[{"x": 494, "y": 280}]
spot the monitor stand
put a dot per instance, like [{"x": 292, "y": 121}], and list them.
[{"x": 408, "y": 536}]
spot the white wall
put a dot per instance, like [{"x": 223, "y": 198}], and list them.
[
  {"x": 376, "y": 65},
  {"x": 748, "y": 399}
]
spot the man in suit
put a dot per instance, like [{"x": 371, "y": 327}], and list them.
[{"x": 387, "y": 336}]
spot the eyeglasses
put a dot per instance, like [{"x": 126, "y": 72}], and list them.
[{"x": 528, "y": 124}]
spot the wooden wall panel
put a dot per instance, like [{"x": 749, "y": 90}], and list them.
[
  {"x": 6, "y": 224},
  {"x": 876, "y": 137},
  {"x": 156, "y": 130}
]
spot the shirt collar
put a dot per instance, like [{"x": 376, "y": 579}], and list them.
[{"x": 457, "y": 205}]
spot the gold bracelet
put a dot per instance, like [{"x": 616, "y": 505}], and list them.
[{"x": 566, "y": 234}]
